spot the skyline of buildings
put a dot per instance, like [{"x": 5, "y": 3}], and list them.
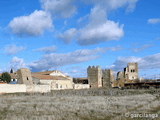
[{"x": 69, "y": 35}]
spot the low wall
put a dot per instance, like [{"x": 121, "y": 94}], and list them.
[
  {"x": 38, "y": 88},
  {"x": 81, "y": 86},
  {"x": 18, "y": 88},
  {"x": 12, "y": 88}
]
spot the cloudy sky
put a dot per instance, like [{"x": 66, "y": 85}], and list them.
[{"x": 70, "y": 35}]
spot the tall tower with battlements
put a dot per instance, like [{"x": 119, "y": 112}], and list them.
[{"x": 94, "y": 76}]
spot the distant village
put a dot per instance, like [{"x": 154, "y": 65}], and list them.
[{"x": 24, "y": 81}]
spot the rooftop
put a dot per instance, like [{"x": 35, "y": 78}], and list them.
[{"x": 48, "y": 77}]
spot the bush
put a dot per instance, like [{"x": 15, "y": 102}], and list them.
[{"x": 6, "y": 77}]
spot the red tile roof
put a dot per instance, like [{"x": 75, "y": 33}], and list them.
[
  {"x": 48, "y": 77},
  {"x": 45, "y": 75},
  {"x": 44, "y": 72}
]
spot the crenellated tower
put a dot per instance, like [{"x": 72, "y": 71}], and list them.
[{"x": 94, "y": 76}]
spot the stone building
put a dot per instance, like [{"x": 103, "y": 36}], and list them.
[
  {"x": 13, "y": 75},
  {"x": 83, "y": 80},
  {"x": 107, "y": 77},
  {"x": 55, "y": 79},
  {"x": 131, "y": 71},
  {"x": 120, "y": 75},
  {"x": 24, "y": 76},
  {"x": 94, "y": 76},
  {"x": 81, "y": 83},
  {"x": 99, "y": 78},
  {"x": 21, "y": 76}
]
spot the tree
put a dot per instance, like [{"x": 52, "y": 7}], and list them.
[
  {"x": 6, "y": 77},
  {"x": 11, "y": 71}
]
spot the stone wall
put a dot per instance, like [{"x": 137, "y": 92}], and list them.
[
  {"x": 20, "y": 88},
  {"x": 120, "y": 75},
  {"x": 58, "y": 84},
  {"x": 38, "y": 88},
  {"x": 107, "y": 77},
  {"x": 81, "y": 86},
  {"x": 61, "y": 84},
  {"x": 12, "y": 88}
]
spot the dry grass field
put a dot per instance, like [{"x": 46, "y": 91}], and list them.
[{"x": 92, "y": 104}]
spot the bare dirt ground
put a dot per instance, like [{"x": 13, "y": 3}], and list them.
[{"x": 92, "y": 104}]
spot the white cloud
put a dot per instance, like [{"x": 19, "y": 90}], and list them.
[
  {"x": 150, "y": 62},
  {"x": 92, "y": 34},
  {"x": 54, "y": 60},
  {"x": 114, "y": 4},
  {"x": 99, "y": 28},
  {"x": 59, "y": 8},
  {"x": 117, "y": 48},
  {"x": 138, "y": 49},
  {"x": 154, "y": 21},
  {"x": 47, "y": 49},
  {"x": 17, "y": 63},
  {"x": 97, "y": 16},
  {"x": 31, "y": 25},
  {"x": 12, "y": 49},
  {"x": 121, "y": 62},
  {"x": 144, "y": 63},
  {"x": 76, "y": 71},
  {"x": 68, "y": 35}
]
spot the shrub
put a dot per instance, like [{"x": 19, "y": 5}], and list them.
[{"x": 6, "y": 77}]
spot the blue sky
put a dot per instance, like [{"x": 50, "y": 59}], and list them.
[{"x": 70, "y": 35}]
